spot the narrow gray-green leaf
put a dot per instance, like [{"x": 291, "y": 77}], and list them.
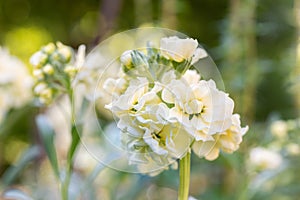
[
  {"x": 12, "y": 172},
  {"x": 47, "y": 134},
  {"x": 16, "y": 194}
]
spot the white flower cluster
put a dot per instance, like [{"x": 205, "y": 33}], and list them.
[
  {"x": 55, "y": 66},
  {"x": 164, "y": 109},
  {"x": 15, "y": 83}
]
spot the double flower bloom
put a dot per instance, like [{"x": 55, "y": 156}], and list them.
[{"x": 164, "y": 109}]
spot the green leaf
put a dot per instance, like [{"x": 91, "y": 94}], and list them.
[
  {"x": 182, "y": 66},
  {"x": 47, "y": 135},
  {"x": 12, "y": 172},
  {"x": 75, "y": 142},
  {"x": 20, "y": 116},
  {"x": 87, "y": 186},
  {"x": 16, "y": 194}
]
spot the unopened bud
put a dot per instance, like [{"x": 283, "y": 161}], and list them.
[
  {"x": 126, "y": 58},
  {"x": 48, "y": 69},
  {"x": 49, "y": 48},
  {"x": 70, "y": 70},
  {"x": 64, "y": 51},
  {"x": 38, "y": 74}
]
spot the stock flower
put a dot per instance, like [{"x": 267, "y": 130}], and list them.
[
  {"x": 199, "y": 54},
  {"x": 177, "y": 49},
  {"x": 148, "y": 131},
  {"x": 163, "y": 108},
  {"x": 264, "y": 159},
  {"x": 227, "y": 141},
  {"x": 279, "y": 129},
  {"x": 200, "y": 106},
  {"x": 15, "y": 83}
]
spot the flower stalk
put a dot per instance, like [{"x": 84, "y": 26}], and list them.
[
  {"x": 184, "y": 177},
  {"x": 70, "y": 158}
]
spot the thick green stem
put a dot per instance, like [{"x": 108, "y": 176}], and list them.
[{"x": 184, "y": 177}]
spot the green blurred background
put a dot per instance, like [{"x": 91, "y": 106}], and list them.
[{"x": 254, "y": 43}]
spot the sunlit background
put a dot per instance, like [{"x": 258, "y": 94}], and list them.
[{"x": 255, "y": 45}]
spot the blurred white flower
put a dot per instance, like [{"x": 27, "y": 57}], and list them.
[
  {"x": 98, "y": 81},
  {"x": 227, "y": 141},
  {"x": 264, "y": 159},
  {"x": 177, "y": 49},
  {"x": 293, "y": 149},
  {"x": 15, "y": 83},
  {"x": 279, "y": 129}
]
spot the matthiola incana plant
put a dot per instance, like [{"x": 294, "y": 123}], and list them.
[
  {"x": 165, "y": 110},
  {"x": 163, "y": 107},
  {"x": 54, "y": 69}
]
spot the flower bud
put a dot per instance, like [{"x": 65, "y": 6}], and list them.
[
  {"x": 45, "y": 96},
  {"x": 64, "y": 51},
  {"x": 126, "y": 58},
  {"x": 38, "y": 74},
  {"x": 49, "y": 48},
  {"x": 70, "y": 70},
  {"x": 48, "y": 69},
  {"x": 39, "y": 88},
  {"x": 38, "y": 59}
]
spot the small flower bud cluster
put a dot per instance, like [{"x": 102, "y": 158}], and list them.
[{"x": 53, "y": 69}]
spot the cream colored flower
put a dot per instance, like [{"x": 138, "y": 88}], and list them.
[
  {"x": 293, "y": 149},
  {"x": 279, "y": 129},
  {"x": 199, "y": 54},
  {"x": 134, "y": 97},
  {"x": 148, "y": 132},
  {"x": 199, "y": 106},
  {"x": 191, "y": 77},
  {"x": 264, "y": 159},
  {"x": 15, "y": 83},
  {"x": 177, "y": 49},
  {"x": 115, "y": 87},
  {"x": 149, "y": 137},
  {"x": 227, "y": 141}
]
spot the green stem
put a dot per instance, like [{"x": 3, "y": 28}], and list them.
[
  {"x": 71, "y": 152},
  {"x": 184, "y": 177}
]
